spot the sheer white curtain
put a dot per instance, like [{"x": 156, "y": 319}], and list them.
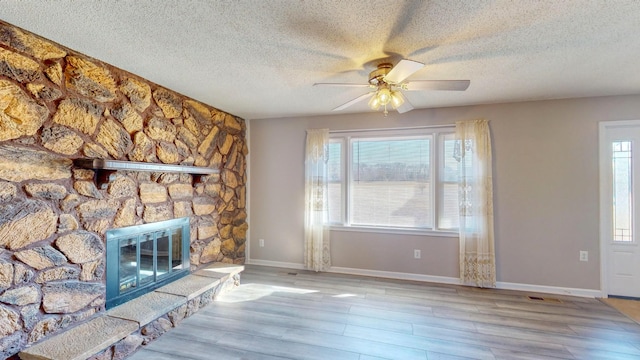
[
  {"x": 477, "y": 253},
  {"x": 316, "y": 235}
]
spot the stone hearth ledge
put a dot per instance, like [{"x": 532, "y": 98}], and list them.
[{"x": 96, "y": 335}]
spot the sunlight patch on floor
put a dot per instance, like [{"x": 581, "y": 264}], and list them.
[
  {"x": 250, "y": 292},
  {"x": 344, "y": 295}
]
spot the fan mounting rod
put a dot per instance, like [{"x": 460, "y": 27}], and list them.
[{"x": 376, "y": 77}]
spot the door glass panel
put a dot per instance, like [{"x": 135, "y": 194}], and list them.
[
  {"x": 163, "y": 253},
  {"x": 176, "y": 255},
  {"x": 622, "y": 192},
  {"x": 146, "y": 259},
  {"x": 128, "y": 265}
]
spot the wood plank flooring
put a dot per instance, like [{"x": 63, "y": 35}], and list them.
[{"x": 292, "y": 314}]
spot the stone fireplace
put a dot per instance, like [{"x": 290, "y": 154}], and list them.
[{"x": 58, "y": 106}]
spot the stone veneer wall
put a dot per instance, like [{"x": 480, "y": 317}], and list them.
[{"x": 57, "y": 105}]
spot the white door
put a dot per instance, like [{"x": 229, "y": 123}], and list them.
[{"x": 620, "y": 212}]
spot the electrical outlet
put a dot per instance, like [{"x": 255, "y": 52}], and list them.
[
  {"x": 416, "y": 254},
  {"x": 261, "y": 242},
  {"x": 584, "y": 255}
]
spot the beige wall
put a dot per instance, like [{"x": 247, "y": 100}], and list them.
[{"x": 545, "y": 192}]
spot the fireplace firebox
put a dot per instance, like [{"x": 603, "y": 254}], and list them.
[{"x": 144, "y": 257}]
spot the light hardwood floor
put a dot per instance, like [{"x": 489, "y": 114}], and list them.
[{"x": 292, "y": 314}]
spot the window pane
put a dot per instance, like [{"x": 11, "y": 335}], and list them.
[
  {"x": 622, "y": 191},
  {"x": 335, "y": 181},
  {"x": 448, "y": 191},
  {"x": 127, "y": 270},
  {"x": 146, "y": 259},
  {"x": 176, "y": 255},
  {"x": 390, "y": 182},
  {"x": 162, "y": 254}
]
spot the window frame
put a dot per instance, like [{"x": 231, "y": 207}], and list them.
[{"x": 436, "y": 158}]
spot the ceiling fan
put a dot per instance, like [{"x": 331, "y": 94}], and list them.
[{"x": 387, "y": 83}]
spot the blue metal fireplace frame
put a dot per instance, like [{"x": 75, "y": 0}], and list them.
[{"x": 124, "y": 278}]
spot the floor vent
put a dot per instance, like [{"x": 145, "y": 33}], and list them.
[
  {"x": 292, "y": 273},
  {"x": 551, "y": 300},
  {"x": 625, "y": 297}
]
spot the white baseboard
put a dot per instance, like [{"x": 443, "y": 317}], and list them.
[
  {"x": 270, "y": 263},
  {"x": 395, "y": 275},
  {"x": 549, "y": 289},
  {"x": 436, "y": 279}
]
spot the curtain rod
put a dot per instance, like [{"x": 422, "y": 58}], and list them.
[{"x": 392, "y": 129}]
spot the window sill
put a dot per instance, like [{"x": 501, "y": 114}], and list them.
[
  {"x": 620, "y": 243},
  {"x": 395, "y": 231}
]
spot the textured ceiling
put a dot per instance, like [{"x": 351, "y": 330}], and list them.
[{"x": 259, "y": 59}]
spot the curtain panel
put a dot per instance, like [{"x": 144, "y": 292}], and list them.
[
  {"x": 477, "y": 249},
  {"x": 317, "y": 252}
]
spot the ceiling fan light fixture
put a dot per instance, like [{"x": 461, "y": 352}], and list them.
[
  {"x": 388, "y": 81},
  {"x": 396, "y": 99},
  {"x": 384, "y": 95},
  {"x": 374, "y": 102}
]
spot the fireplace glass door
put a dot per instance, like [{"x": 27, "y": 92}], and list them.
[
  {"x": 142, "y": 258},
  {"x": 128, "y": 273}
]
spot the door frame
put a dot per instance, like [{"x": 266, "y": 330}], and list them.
[{"x": 605, "y": 196}]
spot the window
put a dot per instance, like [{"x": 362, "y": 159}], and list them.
[{"x": 394, "y": 179}]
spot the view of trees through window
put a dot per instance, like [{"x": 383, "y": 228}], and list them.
[{"x": 387, "y": 181}]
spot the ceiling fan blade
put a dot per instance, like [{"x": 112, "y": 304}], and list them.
[
  {"x": 406, "y": 106},
  {"x": 402, "y": 70},
  {"x": 356, "y": 100},
  {"x": 341, "y": 84},
  {"x": 454, "y": 85}
]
